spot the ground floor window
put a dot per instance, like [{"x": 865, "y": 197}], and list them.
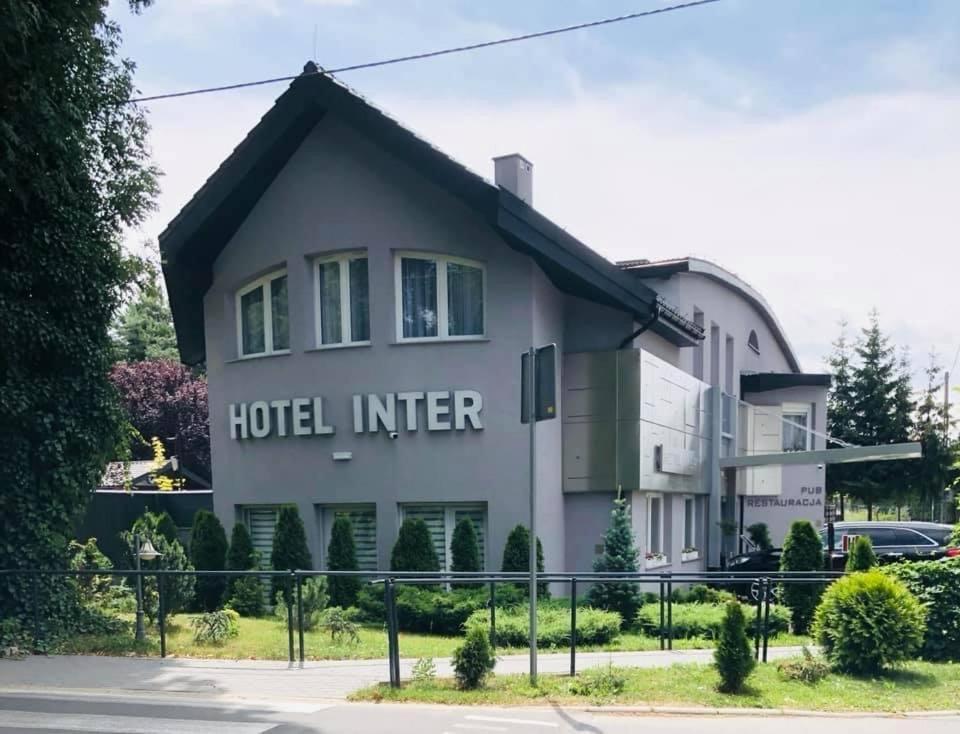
[
  {"x": 655, "y": 544},
  {"x": 260, "y": 521},
  {"x": 689, "y": 522},
  {"x": 441, "y": 519},
  {"x": 363, "y": 521}
]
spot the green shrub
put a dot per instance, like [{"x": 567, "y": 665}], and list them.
[
  {"x": 802, "y": 551},
  {"x": 215, "y": 628},
  {"x": 619, "y": 555},
  {"x": 733, "y": 656},
  {"x": 474, "y": 660},
  {"x": 807, "y": 668},
  {"x": 516, "y": 556},
  {"x": 247, "y": 598},
  {"x": 937, "y": 585},
  {"x": 87, "y": 557},
  {"x": 340, "y": 624},
  {"x": 14, "y": 640},
  {"x": 698, "y": 593},
  {"x": 177, "y": 590},
  {"x": 413, "y": 550},
  {"x": 759, "y": 535},
  {"x": 594, "y": 626},
  {"x": 242, "y": 556},
  {"x": 424, "y": 671},
  {"x": 954, "y": 539},
  {"x": 430, "y": 609},
  {"x": 692, "y": 620},
  {"x": 118, "y": 599},
  {"x": 290, "y": 551},
  {"x": 464, "y": 547},
  {"x": 867, "y": 622},
  {"x": 342, "y": 556},
  {"x": 314, "y": 599},
  {"x": 861, "y": 556},
  {"x": 208, "y": 552},
  {"x": 600, "y": 685}
]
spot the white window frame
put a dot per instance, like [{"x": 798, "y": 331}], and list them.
[
  {"x": 450, "y": 523},
  {"x": 264, "y": 283},
  {"x": 443, "y": 325},
  {"x": 789, "y": 410},
  {"x": 346, "y": 320},
  {"x": 690, "y": 542},
  {"x": 649, "y": 545}
]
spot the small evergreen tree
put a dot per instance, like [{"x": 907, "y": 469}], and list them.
[
  {"x": 516, "y": 556},
  {"x": 619, "y": 555},
  {"x": 861, "y": 556},
  {"x": 166, "y": 527},
  {"x": 413, "y": 550},
  {"x": 342, "y": 556},
  {"x": 759, "y": 535},
  {"x": 240, "y": 557},
  {"x": 474, "y": 660},
  {"x": 290, "y": 550},
  {"x": 208, "y": 552},
  {"x": 802, "y": 551},
  {"x": 733, "y": 657},
  {"x": 464, "y": 548}
]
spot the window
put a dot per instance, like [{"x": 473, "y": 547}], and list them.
[
  {"x": 342, "y": 298},
  {"x": 442, "y": 519},
  {"x": 655, "y": 524},
  {"x": 439, "y": 297},
  {"x": 753, "y": 342},
  {"x": 689, "y": 522},
  {"x": 263, "y": 317},
  {"x": 260, "y": 521},
  {"x": 363, "y": 522},
  {"x": 796, "y": 427}
]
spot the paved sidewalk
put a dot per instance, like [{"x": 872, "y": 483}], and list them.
[{"x": 265, "y": 679}]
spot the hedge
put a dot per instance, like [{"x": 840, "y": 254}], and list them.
[
  {"x": 705, "y": 620},
  {"x": 594, "y": 626},
  {"x": 936, "y": 584}
]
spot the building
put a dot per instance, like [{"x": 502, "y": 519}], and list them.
[{"x": 361, "y": 302}]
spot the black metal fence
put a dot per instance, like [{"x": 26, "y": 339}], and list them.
[{"x": 760, "y": 590}]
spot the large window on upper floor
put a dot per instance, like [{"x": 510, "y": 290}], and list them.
[
  {"x": 263, "y": 325},
  {"x": 796, "y": 427},
  {"x": 439, "y": 297},
  {"x": 342, "y": 298}
]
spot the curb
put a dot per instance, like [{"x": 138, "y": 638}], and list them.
[{"x": 758, "y": 712}]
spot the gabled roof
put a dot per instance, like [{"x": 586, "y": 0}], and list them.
[
  {"x": 196, "y": 236},
  {"x": 646, "y": 269}
]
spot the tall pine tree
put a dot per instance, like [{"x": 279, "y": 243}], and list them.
[
  {"x": 619, "y": 555},
  {"x": 936, "y": 470},
  {"x": 841, "y": 409}
]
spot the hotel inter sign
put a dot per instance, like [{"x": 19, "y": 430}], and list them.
[{"x": 442, "y": 410}]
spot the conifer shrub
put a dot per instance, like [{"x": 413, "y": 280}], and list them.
[
  {"x": 208, "y": 552},
  {"x": 516, "y": 557},
  {"x": 860, "y": 556},
  {"x": 464, "y": 548},
  {"x": 241, "y": 556},
  {"x": 342, "y": 556},
  {"x": 759, "y": 535},
  {"x": 619, "y": 555},
  {"x": 474, "y": 660},
  {"x": 802, "y": 551},
  {"x": 733, "y": 656},
  {"x": 247, "y": 597},
  {"x": 413, "y": 550},
  {"x": 290, "y": 550}
]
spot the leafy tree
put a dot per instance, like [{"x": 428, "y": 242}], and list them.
[
  {"x": 733, "y": 657},
  {"x": 464, "y": 547},
  {"x": 342, "y": 556},
  {"x": 759, "y": 535},
  {"x": 208, "y": 552},
  {"x": 861, "y": 556},
  {"x": 619, "y": 555},
  {"x": 802, "y": 551},
  {"x": 516, "y": 556},
  {"x": 290, "y": 550},
  {"x": 75, "y": 174},
  {"x": 413, "y": 550},
  {"x": 144, "y": 328},
  {"x": 165, "y": 399}
]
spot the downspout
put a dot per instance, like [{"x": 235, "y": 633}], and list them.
[{"x": 643, "y": 327}]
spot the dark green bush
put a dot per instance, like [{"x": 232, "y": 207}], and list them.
[
  {"x": 342, "y": 556},
  {"x": 247, "y": 597},
  {"x": 594, "y": 626},
  {"x": 516, "y": 556},
  {"x": 208, "y": 552},
  {"x": 464, "y": 547},
  {"x": 619, "y": 555},
  {"x": 759, "y": 535},
  {"x": 868, "y": 622},
  {"x": 241, "y": 556},
  {"x": 937, "y": 585},
  {"x": 733, "y": 656},
  {"x": 290, "y": 551},
  {"x": 698, "y": 593},
  {"x": 861, "y": 556},
  {"x": 693, "y": 619},
  {"x": 802, "y": 551},
  {"x": 413, "y": 550},
  {"x": 474, "y": 660},
  {"x": 215, "y": 628}
]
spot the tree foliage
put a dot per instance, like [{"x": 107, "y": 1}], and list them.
[
  {"x": 802, "y": 551},
  {"x": 342, "y": 556},
  {"x": 75, "y": 173},
  {"x": 464, "y": 547},
  {"x": 178, "y": 590},
  {"x": 516, "y": 555},
  {"x": 290, "y": 550},
  {"x": 861, "y": 556},
  {"x": 733, "y": 657},
  {"x": 144, "y": 327},
  {"x": 241, "y": 556},
  {"x": 619, "y": 555},
  {"x": 413, "y": 550},
  {"x": 759, "y": 535},
  {"x": 165, "y": 399},
  {"x": 208, "y": 552}
]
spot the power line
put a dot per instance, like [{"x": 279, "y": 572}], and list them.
[{"x": 431, "y": 54}]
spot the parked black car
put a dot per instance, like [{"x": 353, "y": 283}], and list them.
[{"x": 892, "y": 541}]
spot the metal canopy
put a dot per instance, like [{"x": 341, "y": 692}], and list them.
[{"x": 852, "y": 455}]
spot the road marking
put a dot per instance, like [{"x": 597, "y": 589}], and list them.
[
  {"x": 505, "y": 720},
  {"x": 479, "y": 727},
  {"x": 126, "y": 724},
  {"x": 161, "y": 698}
]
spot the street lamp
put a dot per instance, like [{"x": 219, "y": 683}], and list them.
[{"x": 145, "y": 552}]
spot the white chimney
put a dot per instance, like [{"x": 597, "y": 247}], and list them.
[{"x": 515, "y": 174}]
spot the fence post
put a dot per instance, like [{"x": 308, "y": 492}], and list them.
[
  {"x": 670, "y": 614},
  {"x": 663, "y": 641},
  {"x": 756, "y": 641},
  {"x": 393, "y": 660},
  {"x": 35, "y": 599},
  {"x": 573, "y": 626},
  {"x": 493, "y": 614},
  {"x": 766, "y": 616},
  {"x": 289, "y": 601},
  {"x": 162, "y": 615},
  {"x": 300, "y": 616}
]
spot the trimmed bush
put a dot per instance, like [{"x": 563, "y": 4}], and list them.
[
  {"x": 208, "y": 552},
  {"x": 342, "y": 556},
  {"x": 937, "y": 586},
  {"x": 290, "y": 551},
  {"x": 413, "y": 550},
  {"x": 802, "y": 551},
  {"x": 473, "y": 661},
  {"x": 241, "y": 556},
  {"x": 215, "y": 628},
  {"x": 430, "y": 609},
  {"x": 464, "y": 547},
  {"x": 693, "y": 620},
  {"x": 619, "y": 555},
  {"x": 861, "y": 556},
  {"x": 698, "y": 593},
  {"x": 516, "y": 556},
  {"x": 247, "y": 597},
  {"x": 868, "y": 622},
  {"x": 759, "y": 535},
  {"x": 594, "y": 626},
  {"x": 733, "y": 657}
]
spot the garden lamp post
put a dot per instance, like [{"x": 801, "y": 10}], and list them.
[{"x": 145, "y": 552}]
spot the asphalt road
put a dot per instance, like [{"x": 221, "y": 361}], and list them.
[{"x": 166, "y": 714}]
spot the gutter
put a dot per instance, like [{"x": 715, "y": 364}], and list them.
[{"x": 643, "y": 327}]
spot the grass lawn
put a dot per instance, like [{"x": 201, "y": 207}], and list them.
[
  {"x": 266, "y": 639},
  {"x": 915, "y": 687}
]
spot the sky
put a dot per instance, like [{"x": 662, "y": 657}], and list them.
[{"x": 809, "y": 146}]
